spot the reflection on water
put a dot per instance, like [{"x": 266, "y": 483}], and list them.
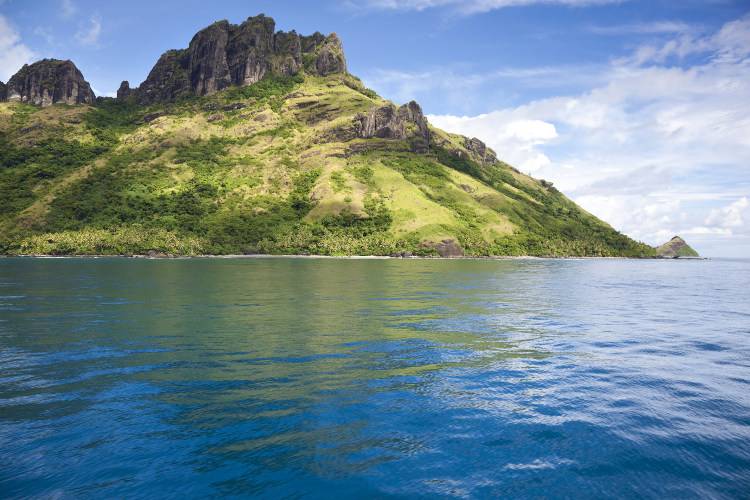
[{"x": 374, "y": 378}]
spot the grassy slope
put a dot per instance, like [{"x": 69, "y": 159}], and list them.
[{"x": 209, "y": 176}]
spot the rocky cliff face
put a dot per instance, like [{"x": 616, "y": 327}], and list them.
[
  {"x": 49, "y": 81},
  {"x": 2, "y": 92},
  {"x": 224, "y": 55}
]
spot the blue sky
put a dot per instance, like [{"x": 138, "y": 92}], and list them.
[{"x": 637, "y": 110}]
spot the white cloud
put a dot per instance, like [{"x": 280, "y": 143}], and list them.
[
  {"x": 656, "y": 150},
  {"x": 13, "y": 54},
  {"x": 99, "y": 93},
  {"x": 657, "y": 27},
  {"x": 511, "y": 135},
  {"x": 734, "y": 218},
  {"x": 90, "y": 35}
]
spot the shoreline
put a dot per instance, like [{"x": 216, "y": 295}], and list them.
[{"x": 157, "y": 256}]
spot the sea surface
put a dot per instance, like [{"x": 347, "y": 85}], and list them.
[{"x": 374, "y": 378}]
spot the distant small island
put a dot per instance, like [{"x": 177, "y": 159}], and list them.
[{"x": 675, "y": 248}]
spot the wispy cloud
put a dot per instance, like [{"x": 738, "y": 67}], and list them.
[
  {"x": 13, "y": 53},
  {"x": 68, "y": 9},
  {"x": 465, "y": 7},
  {"x": 45, "y": 33},
  {"x": 89, "y": 35},
  {"x": 651, "y": 28}
]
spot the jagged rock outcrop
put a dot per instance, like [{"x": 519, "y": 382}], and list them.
[
  {"x": 331, "y": 58},
  {"x": 382, "y": 122},
  {"x": 224, "y": 55},
  {"x": 124, "y": 91},
  {"x": 480, "y": 151},
  {"x": 47, "y": 82},
  {"x": 390, "y": 122},
  {"x": 2, "y": 92},
  {"x": 674, "y": 248}
]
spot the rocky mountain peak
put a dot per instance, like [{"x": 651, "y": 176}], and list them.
[
  {"x": 47, "y": 82},
  {"x": 224, "y": 55}
]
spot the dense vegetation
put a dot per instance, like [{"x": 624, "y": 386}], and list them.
[{"x": 257, "y": 169}]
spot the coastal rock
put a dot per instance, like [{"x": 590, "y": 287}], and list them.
[
  {"x": 674, "y": 248},
  {"x": 224, "y": 55},
  {"x": 445, "y": 248},
  {"x": 390, "y": 122},
  {"x": 47, "y": 82}
]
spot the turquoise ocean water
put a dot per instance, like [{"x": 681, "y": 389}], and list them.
[{"x": 374, "y": 378}]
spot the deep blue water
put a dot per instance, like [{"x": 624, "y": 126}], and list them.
[{"x": 337, "y": 378}]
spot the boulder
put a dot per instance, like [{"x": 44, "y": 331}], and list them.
[
  {"x": 445, "y": 248},
  {"x": 47, "y": 82}
]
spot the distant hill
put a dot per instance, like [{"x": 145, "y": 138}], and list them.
[
  {"x": 253, "y": 141},
  {"x": 676, "y": 247}
]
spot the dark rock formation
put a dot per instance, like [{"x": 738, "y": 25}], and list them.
[
  {"x": 390, "y": 122},
  {"x": 331, "y": 58},
  {"x": 383, "y": 122},
  {"x": 446, "y": 248},
  {"x": 674, "y": 248},
  {"x": 224, "y": 55},
  {"x": 2, "y": 92},
  {"x": 124, "y": 91},
  {"x": 167, "y": 80},
  {"x": 480, "y": 152},
  {"x": 49, "y": 81}
]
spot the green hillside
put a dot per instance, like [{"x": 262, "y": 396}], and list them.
[{"x": 276, "y": 167}]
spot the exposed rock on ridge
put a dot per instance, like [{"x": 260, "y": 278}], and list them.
[
  {"x": 47, "y": 82},
  {"x": 224, "y": 55},
  {"x": 480, "y": 151},
  {"x": 390, "y": 122},
  {"x": 2, "y": 92}
]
